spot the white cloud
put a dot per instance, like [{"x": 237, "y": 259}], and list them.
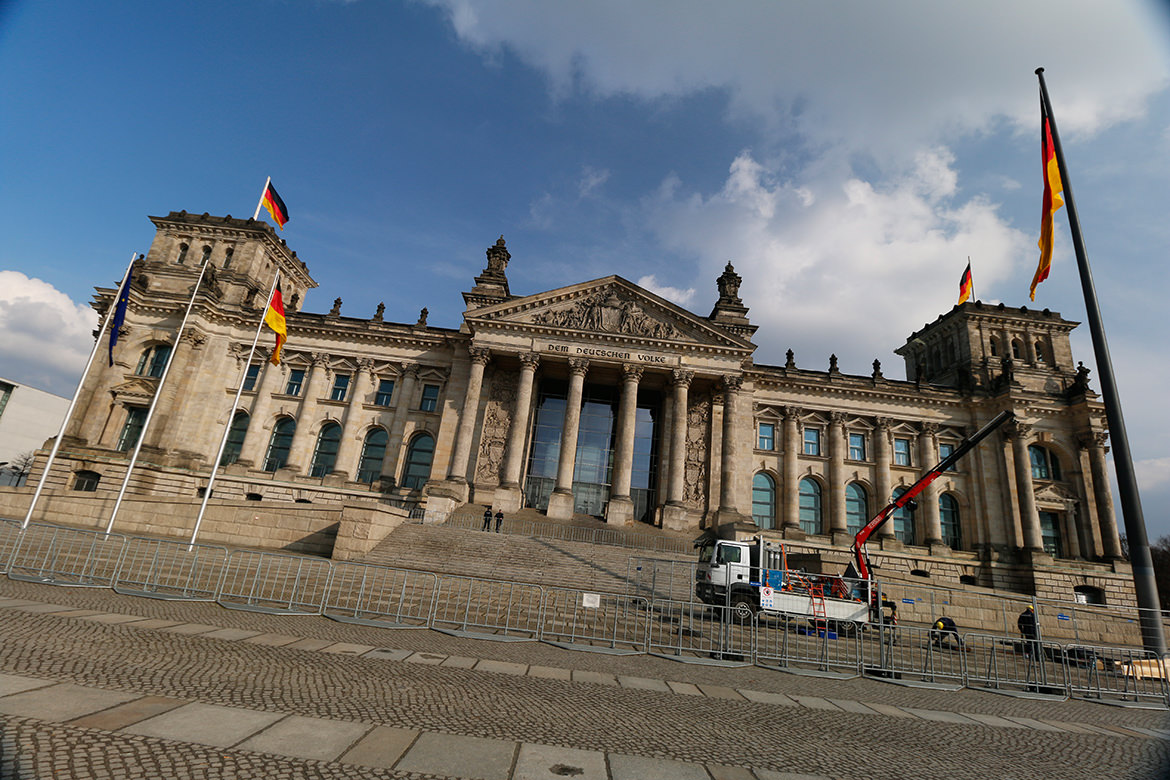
[
  {"x": 1153, "y": 474},
  {"x": 45, "y": 338},
  {"x": 673, "y": 294},
  {"x": 591, "y": 180}
]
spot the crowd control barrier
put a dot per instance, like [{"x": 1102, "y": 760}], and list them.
[
  {"x": 596, "y": 622},
  {"x": 274, "y": 583},
  {"x": 699, "y": 634},
  {"x": 800, "y": 645},
  {"x": 488, "y": 609},
  {"x": 73, "y": 557},
  {"x": 379, "y": 596},
  {"x": 917, "y": 657},
  {"x": 165, "y": 569},
  {"x": 1030, "y": 669},
  {"x": 9, "y": 537},
  {"x": 1124, "y": 676}
]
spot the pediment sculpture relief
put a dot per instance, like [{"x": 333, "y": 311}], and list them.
[{"x": 606, "y": 312}]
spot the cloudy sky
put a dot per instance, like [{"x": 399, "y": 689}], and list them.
[{"x": 847, "y": 157}]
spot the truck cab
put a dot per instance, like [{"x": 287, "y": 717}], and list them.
[{"x": 724, "y": 571}]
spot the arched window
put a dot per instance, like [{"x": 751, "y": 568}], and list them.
[
  {"x": 206, "y": 255},
  {"x": 948, "y": 515},
  {"x": 373, "y": 454},
  {"x": 325, "y": 456},
  {"x": 235, "y": 438},
  {"x": 279, "y": 444},
  {"x": 1040, "y": 354},
  {"x": 810, "y": 506},
  {"x": 227, "y": 257},
  {"x": 903, "y": 521},
  {"x": 856, "y": 507},
  {"x": 1044, "y": 463},
  {"x": 418, "y": 462},
  {"x": 994, "y": 346},
  {"x": 86, "y": 481},
  {"x": 182, "y": 258},
  {"x": 153, "y": 360},
  {"x": 763, "y": 501},
  {"x": 1017, "y": 349}
]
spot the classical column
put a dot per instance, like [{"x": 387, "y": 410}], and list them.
[
  {"x": 620, "y": 510},
  {"x": 1029, "y": 516},
  {"x": 928, "y": 456},
  {"x": 885, "y": 484},
  {"x": 467, "y": 416},
  {"x": 728, "y": 481},
  {"x": 1071, "y": 533},
  {"x": 409, "y": 378},
  {"x": 256, "y": 438},
  {"x": 792, "y": 450},
  {"x": 1110, "y": 539},
  {"x": 350, "y": 448},
  {"x": 681, "y": 379},
  {"x": 301, "y": 453},
  {"x": 837, "y": 522},
  {"x": 560, "y": 502},
  {"x": 509, "y": 496},
  {"x": 167, "y": 426}
]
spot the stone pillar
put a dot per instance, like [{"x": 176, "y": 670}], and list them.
[
  {"x": 560, "y": 503},
  {"x": 167, "y": 425},
  {"x": 837, "y": 525},
  {"x": 620, "y": 510},
  {"x": 792, "y": 451},
  {"x": 1090, "y": 524},
  {"x": 728, "y": 473},
  {"x": 1072, "y": 536},
  {"x": 349, "y": 451},
  {"x": 1110, "y": 538},
  {"x": 256, "y": 439},
  {"x": 509, "y": 496},
  {"x": 674, "y": 514},
  {"x": 466, "y": 432},
  {"x": 928, "y": 456},
  {"x": 884, "y": 482},
  {"x": 301, "y": 452},
  {"x": 1029, "y": 516},
  {"x": 409, "y": 379}
]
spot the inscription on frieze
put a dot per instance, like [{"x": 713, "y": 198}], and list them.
[{"x": 641, "y": 356}]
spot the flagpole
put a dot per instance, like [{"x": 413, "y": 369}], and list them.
[
  {"x": 1145, "y": 587},
  {"x": 76, "y": 394},
  {"x": 260, "y": 203},
  {"x": 973, "y": 296},
  {"x": 157, "y": 394},
  {"x": 231, "y": 414}
]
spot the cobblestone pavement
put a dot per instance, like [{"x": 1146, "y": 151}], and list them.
[{"x": 510, "y": 704}]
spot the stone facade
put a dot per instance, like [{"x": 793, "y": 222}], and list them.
[{"x": 676, "y": 425}]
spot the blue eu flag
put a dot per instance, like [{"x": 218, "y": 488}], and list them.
[{"x": 120, "y": 311}]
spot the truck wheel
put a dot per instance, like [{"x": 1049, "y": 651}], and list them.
[{"x": 742, "y": 608}]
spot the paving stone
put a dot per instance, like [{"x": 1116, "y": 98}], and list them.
[
  {"x": 940, "y": 715},
  {"x": 852, "y": 706},
  {"x": 14, "y": 683},
  {"x": 459, "y": 756},
  {"x": 381, "y": 747},
  {"x": 993, "y": 720},
  {"x": 550, "y": 672},
  {"x": 345, "y": 648},
  {"x": 9, "y": 603},
  {"x": 388, "y": 654},
  {"x": 623, "y": 767},
  {"x": 1033, "y": 723},
  {"x": 460, "y": 662},
  {"x": 59, "y": 703},
  {"x": 720, "y": 692},
  {"x": 766, "y": 697},
  {"x": 549, "y": 762},
  {"x": 684, "y": 688},
  {"x": 301, "y": 737},
  {"x": 156, "y": 623},
  {"x": 111, "y": 618},
  {"x": 428, "y": 659},
  {"x": 599, "y": 678},
  {"x": 205, "y": 724},
  {"x": 74, "y": 613},
  {"x": 644, "y": 683},
  {"x": 1075, "y": 728},
  {"x": 272, "y": 640},
  {"x": 1122, "y": 730},
  {"x": 38, "y": 608},
  {"x": 815, "y": 703},
  {"x": 767, "y": 774},
  {"x": 501, "y": 667},
  {"x": 310, "y": 644},
  {"x": 131, "y": 712},
  {"x": 191, "y": 628},
  {"x": 231, "y": 634},
  {"x": 724, "y": 772},
  {"x": 887, "y": 709}
]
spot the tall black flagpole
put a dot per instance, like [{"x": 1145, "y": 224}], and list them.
[{"x": 1144, "y": 585}]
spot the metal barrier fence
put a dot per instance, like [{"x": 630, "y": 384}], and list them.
[
  {"x": 596, "y": 622},
  {"x": 655, "y": 578},
  {"x": 488, "y": 609},
  {"x": 375, "y": 595},
  {"x": 1115, "y": 675},
  {"x": 9, "y": 538},
  {"x": 699, "y": 634},
  {"x": 574, "y": 533},
  {"x": 1030, "y": 669},
  {"x": 917, "y": 657},
  {"x": 796, "y": 644},
  {"x": 73, "y": 557},
  {"x": 168, "y": 569},
  {"x": 274, "y": 583}
]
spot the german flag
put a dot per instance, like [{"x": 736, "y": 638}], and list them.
[
  {"x": 1053, "y": 188},
  {"x": 274, "y": 204},
  {"x": 965, "y": 284},
  {"x": 274, "y": 318}
]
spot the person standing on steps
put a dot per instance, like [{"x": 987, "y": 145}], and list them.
[
  {"x": 499, "y": 519},
  {"x": 487, "y": 519}
]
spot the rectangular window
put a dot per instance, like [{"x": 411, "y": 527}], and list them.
[
  {"x": 340, "y": 387},
  {"x": 385, "y": 392},
  {"x": 430, "y": 398},
  {"x": 944, "y": 452},
  {"x": 902, "y": 452},
  {"x": 812, "y": 441},
  {"x": 135, "y": 418},
  {"x": 296, "y": 378},
  {"x": 767, "y": 436},
  {"x": 250, "y": 377},
  {"x": 857, "y": 446},
  {"x": 5, "y": 393}
]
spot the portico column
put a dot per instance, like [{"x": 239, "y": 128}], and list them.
[
  {"x": 255, "y": 438},
  {"x": 837, "y": 524},
  {"x": 1110, "y": 539},
  {"x": 462, "y": 456},
  {"x": 509, "y": 496},
  {"x": 674, "y": 514},
  {"x": 928, "y": 455},
  {"x": 885, "y": 485},
  {"x": 398, "y": 422},
  {"x": 728, "y": 479},
  {"x": 1029, "y": 516},
  {"x": 791, "y": 487},
  {"x": 620, "y": 510},
  {"x": 560, "y": 502},
  {"x": 350, "y": 447},
  {"x": 301, "y": 450}
]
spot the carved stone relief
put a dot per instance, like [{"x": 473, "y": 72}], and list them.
[
  {"x": 606, "y": 311},
  {"x": 698, "y": 449},
  {"x": 497, "y": 418}
]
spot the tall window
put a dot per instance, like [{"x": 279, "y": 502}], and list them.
[
  {"x": 227, "y": 257},
  {"x": 1044, "y": 463},
  {"x": 904, "y": 521},
  {"x": 1039, "y": 351},
  {"x": 430, "y": 398},
  {"x": 418, "y": 462},
  {"x": 810, "y": 506},
  {"x": 325, "y": 455},
  {"x": 812, "y": 441},
  {"x": 153, "y": 360},
  {"x": 182, "y": 258},
  {"x": 763, "y": 500},
  {"x": 280, "y": 443},
  {"x": 5, "y": 393},
  {"x": 296, "y": 378},
  {"x": 250, "y": 377},
  {"x": 948, "y": 514},
  {"x": 857, "y": 446},
  {"x": 1017, "y": 349},
  {"x": 235, "y": 439},
  {"x": 856, "y": 507},
  {"x": 767, "y": 437},
  {"x": 373, "y": 455},
  {"x": 206, "y": 255},
  {"x": 385, "y": 392},
  {"x": 1050, "y": 533},
  {"x": 994, "y": 346},
  {"x": 902, "y": 452},
  {"x": 340, "y": 387},
  {"x": 945, "y": 451},
  {"x": 132, "y": 429}
]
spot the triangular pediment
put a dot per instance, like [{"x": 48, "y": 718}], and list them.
[
  {"x": 135, "y": 390},
  {"x": 612, "y": 306}
]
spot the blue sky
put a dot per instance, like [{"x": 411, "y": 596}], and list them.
[{"x": 847, "y": 157}]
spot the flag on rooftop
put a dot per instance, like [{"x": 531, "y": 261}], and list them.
[
  {"x": 1052, "y": 200},
  {"x": 965, "y": 284},
  {"x": 271, "y": 201},
  {"x": 274, "y": 318},
  {"x": 120, "y": 310}
]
